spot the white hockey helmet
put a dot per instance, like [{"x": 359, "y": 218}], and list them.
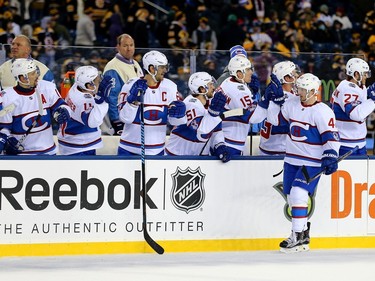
[
  {"x": 238, "y": 63},
  {"x": 154, "y": 58},
  {"x": 23, "y": 67},
  {"x": 285, "y": 68},
  {"x": 86, "y": 74},
  {"x": 200, "y": 79},
  {"x": 308, "y": 82},
  {"x": 359, "y": 65}
]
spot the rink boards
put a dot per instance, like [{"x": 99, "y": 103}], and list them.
[{"x": 61, "y": 206}]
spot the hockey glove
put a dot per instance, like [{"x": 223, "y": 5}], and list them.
[
  {"x": 137, "y": 91},
  {"x": 329, "y": 161},
  {"x": 254, "y": 84},
  {"x": 61, "y": 115},
  {"x": 177, "y": 109},
  {"x": 221, "y": 151},
  {"x": 118, "y": 127},
  {"x": 217, "y": 104},
  {"x": 13, "y": 147},
  {"x": 371, "y": 92},
  {"x": 105, "y": 87},
  {"x": 3, "y": 141}
]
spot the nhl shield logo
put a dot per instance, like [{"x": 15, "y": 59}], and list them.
[{"x": 187, "y": 192}]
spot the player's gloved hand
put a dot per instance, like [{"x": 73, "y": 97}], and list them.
[
  {"x": 221, "y": 151},
  {"x": 105, "y": 87},
  {"x": 13, "y": 147},
  {"x": 61, "y": 115},
  {"x": 274, "y": 91},
  {"x": 329, "y": 161},
  {"x": 118, "y": 127},
  {"x": 176, "y": 109},
  {"x": 3, "y": 141},
  {"x": 137, "y": 91},
  {"x": 371, "y": 92},
  {"x": 217, "y": 104},
  {"x": 254, "y": 84}
]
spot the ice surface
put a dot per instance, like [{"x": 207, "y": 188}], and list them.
[{"x": 316, "y": 265}]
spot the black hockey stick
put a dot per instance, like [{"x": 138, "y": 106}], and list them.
[
  {"x": 279, "y": 173},
  {"x": 155, "y": 246},
  {"x": 314, "y": 177}
]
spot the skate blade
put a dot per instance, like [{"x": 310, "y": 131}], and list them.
[{"x": 296, "y": 249}]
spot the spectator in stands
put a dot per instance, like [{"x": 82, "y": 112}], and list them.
[
  {"x": 204, "y": 37},
  {"x": 231, "y": 34},
  {"x": 85, "y": 33},
  {"x": 122, "y": 68},
  {"x": 21, "y": 48},
  {"x": 142, "y": 28},
  {"x": 176, "y": 30}
]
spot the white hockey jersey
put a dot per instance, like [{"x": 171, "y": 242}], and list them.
[
  {"x": 81, "y": 133},
  {"x": 351, "y": 108},
  {"x": 201, "y": 127},
  {"x": 272, "y": 139},
  {"x": 156, "y": 102},
  {"x": 16, "y": 123},
  {"x": 236, "y": 128},
  {"x": 312, "y": 130}
]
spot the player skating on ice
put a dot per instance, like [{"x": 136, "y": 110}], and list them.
[
  {"x": 313, "y": 142},
  {"x": 203, "y": 128}
]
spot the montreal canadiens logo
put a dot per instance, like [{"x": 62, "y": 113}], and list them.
[{"x": 187, "y": 192}]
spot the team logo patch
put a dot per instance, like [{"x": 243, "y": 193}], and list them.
[
  {"x": 241, "y": 87},
  {"x": 187, "y": 192}
]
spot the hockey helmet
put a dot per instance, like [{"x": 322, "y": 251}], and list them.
[
  {"x": 359, "y": 65},
  {"x": 237, "y": 50},
  {"x": 308, "y": 82},
  {"x": 23, "y": 67},
  {"x": 154, "y": 58},
  {"x": 238, "y": 63},
  {"x": 200, "y": 79},
  {"x": 86, "y": 74},
  {"x": 285, "y": 68}
]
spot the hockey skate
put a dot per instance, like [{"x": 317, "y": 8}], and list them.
[
  {"x": 294, "y": 243},
  {"x": 306, "y": 237}
]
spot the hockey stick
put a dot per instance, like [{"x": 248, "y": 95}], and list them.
[
  {"x": 314, "y": 177},
  {"x": 226, "y": 114},
  {"x": 153, "y": 244},
  {"x": 7, "y": 109},
  {"x": 279, "y": 173}
]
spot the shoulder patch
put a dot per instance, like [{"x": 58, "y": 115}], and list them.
[
  {"x": 192, "y": 100},
  {"x": 352, "y": 85},
  {"x": 87, "y": 96},
  {"x": 241, "y": 87}
]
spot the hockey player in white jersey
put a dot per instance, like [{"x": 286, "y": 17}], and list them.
[
  {"x": 352, "y": 102},
  {"x": 88, "y": 100},
  {"x": 203, "y": 128},
  {"x": 28, "y": 129},
  {"x": 161, "y": 106},
  {"x": 238, "y": 94},
  {"x": 314, "y": 142},
  {"x": 273, "y": 138}
]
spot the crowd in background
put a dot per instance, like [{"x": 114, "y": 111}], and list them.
[{"x": 292, "y": 27}]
